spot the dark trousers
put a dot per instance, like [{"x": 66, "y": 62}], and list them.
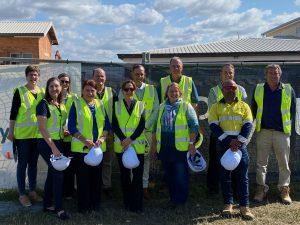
[
  {"x": 177, "y": 178},
  {"x": 27, "y": 159},
  {"x": 69, "y": 173},
  {"x": 132, "y": 188},
  {"x": 88, "y": 184},
  {"x": 212, "y": 177},
  {"x": 239, "y": 174},
  {"x": 54, "y": 182}
]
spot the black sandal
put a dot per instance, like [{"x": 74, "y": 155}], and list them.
[{"x": 62, "y": 215}]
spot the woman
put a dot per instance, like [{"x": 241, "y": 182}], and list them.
[
  {"x": 68, "y": 98},
  {"x": 89, "y": 125},
  {"x": 23, "y": 131},
  {"x": 51, "y": 116},
  {"x": 176, "y": 131},
  {"x": 128, "y": 124}
]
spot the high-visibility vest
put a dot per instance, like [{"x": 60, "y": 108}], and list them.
[
  {"x": 70, "y": 99},
  {"x": 182, "y": 137},
  {"x": 107, "y": 101},
  {"x": 128, "y": 124},
  {"x": 148, "y": 100},
  {"x": 218, "y": 92},
  {"x": 55, "y": 122},
  {"x": 26, "y": 121},
  {"x": 185, "y": 84},
  {"x": 84, "y": 123},
  {"x": 286, "y": 101}
]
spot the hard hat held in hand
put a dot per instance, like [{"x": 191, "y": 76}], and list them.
[
  {"x": 94, "y": 156},
  {"x": 60, "y": 163},
  {"x": 230, "y": 160},
  {"x": 130, "y": 159},
  {"x": 196, "y": 162}
]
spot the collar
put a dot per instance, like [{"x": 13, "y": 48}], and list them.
[
  {"x": 173, "y": 80},
  {"x": 142, "y": 86}
]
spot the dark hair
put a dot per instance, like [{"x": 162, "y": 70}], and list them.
[
  {"x": 66, "y": 75},
  {"x": 47, "y": 95},
  {"x": 169, "y": 86},
  {"x": 135, "y": 66},
  {"x": 128, "y": 82},
  {"x": 32, "y": 68},
  {"x": 91, "y": 83}
]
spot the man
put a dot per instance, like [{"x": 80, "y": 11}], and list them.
[
  {"x": 186, "y": 84},
  {"x": 231, "y": 122},
  {"x": 147, "y": 94},
  {"x": 273, "y": 105},
  {"x": 108, "y": 96},
  {"x": 214, "y": 96}
]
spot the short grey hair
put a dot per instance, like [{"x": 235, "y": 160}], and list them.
[{"x": 272, "y": 66}]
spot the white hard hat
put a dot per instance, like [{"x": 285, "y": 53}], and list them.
[
  {"x": 196, "y": 162},
  {"x": 7, "y": 150},
  {"x": 231, "y": 159},
  {"x": 130, "y": 159},
  {"x": 94, "y": 157},
  {"x": 60, "y": 163}
]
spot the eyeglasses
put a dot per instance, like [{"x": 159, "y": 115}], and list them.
[
  {"x": 64, "y": 82},
  {"x": 128, "y": 89},
  {"x": 230, "y": 88}
]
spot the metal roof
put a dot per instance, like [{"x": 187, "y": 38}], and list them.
[
  {"x": 28, "y": 29},
  {"x": 245, "y": 46},
  {"x": 282, "y": 25}
]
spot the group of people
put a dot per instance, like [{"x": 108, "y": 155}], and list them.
[{"x": 57, "y": 121}]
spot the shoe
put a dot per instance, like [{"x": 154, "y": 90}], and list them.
[
  {"x": 227, "y": 211},
  {"x": 33, "y": 196},
  {"x": 146, "y": 194},
  {"x": 246, "y": 214},
  {"x": 284, "y": 195},
  {"x": 24, "y": 200},
  {"x": 260, "y": 193},
  {"x": 62, "y": 215}
]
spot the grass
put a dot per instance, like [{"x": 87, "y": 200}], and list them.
[{"x": 199, "y": 210}]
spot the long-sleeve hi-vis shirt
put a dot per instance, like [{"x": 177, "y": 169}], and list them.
[{"x": 230, "y": 121}]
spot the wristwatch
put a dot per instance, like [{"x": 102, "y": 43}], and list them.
[{"x": 191, "y": 143}]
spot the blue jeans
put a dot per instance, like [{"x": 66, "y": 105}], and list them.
[
  {"x": 240, "y": 174},
  {"x": 27, "y": 159},
  {"x": 177, "y": 178},
  {"x": 54, "y": 181}
]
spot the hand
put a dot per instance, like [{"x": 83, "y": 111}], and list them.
[
  {"x": 192, "y": 149},
  {"x": 100, "y": 141},
  {"x": 55, "y": 151},
  {"x": 11, "y": 136},
  {"x": 235, "y": 144},
  {"x": 125, "y": 143},
  {"x": 66, "y": 132},
  {"x": 89, "y": 143}
]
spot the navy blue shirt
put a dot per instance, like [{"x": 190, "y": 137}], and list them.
[{"x": 271, "y": 117}]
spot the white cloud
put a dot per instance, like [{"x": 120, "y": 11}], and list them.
[
  {"x": 15, "y": 9},
  {"x": 149, "y": 16},
  {"x": 297, "y": 2}
]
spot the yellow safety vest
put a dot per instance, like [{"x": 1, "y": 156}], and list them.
[
  {"x": 107, "y": 101},
  {"x": 70, "y": 99},
  {"x": 128, "y": 124},
  {"x": 286, "y": 101},
  {"x": 218, "y": 92},
  {"x": 182, "y": 137},
  {"x": 55, "y": 122},
  {"x": 84, "y": 123},
  {"x": 26, "y": 121},
  {"x": 185, "y": 84}
]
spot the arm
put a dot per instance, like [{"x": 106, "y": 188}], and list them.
[
  {"x": 253, "y": 105},
  {"x": 16, "y": 103},
  {"x": 193, "y": 125}
]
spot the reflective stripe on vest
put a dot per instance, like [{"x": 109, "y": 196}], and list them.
[
  {"x": 107, "y": 101},
  {"x": 286, "y": 101},
  {"x": 128, "y": 124},
  {"x": 84, "y": 123},
  {"x": 185, "y": 84},
  {"x": 182, "y": 137},
  {"x": 26, "y": 121}
]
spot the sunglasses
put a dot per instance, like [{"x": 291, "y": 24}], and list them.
[
  {"x": 230, "y": 88},
  {"x": 64, "y": 82},
  {"x": 128, "y": 89}
]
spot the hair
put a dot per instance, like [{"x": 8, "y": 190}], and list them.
[
  {"x": 91, "y": 83},
  {"x": 99, "y": 68},
  {"x": 66, "y": 75},
  {"x": 171, "y": 85},
  {"x": 47, "y": 95},
  {"x": 128, "y": 82},
  {"x": 272, "y": 66},
  {"x": 135, "y": 66},
  {"x": 175, "y": 57},
  {"x": 32, "y": 68},
  {"x": 227, "y": 65}
]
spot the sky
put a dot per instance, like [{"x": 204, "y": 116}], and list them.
[{"x": 92, "y": 30}]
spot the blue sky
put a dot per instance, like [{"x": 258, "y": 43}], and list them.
[{"x": 97, "y": 30}]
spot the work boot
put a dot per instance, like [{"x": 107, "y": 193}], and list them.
[
  {"x": 284, "y": 195},
  {"x": 227, "y": 211},
  {"x": 24, "y": 200},
  {"x": 260, "y": 193},
  {"x": 246, "y": 214},
  {"x": 146, "y": 194},
  {"x": 33, "y": 196}
]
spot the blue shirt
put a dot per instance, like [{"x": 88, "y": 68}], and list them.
[{"x": 271, "y": 117}]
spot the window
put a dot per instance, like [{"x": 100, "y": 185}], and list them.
[{"x": 19, "y": 55}]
